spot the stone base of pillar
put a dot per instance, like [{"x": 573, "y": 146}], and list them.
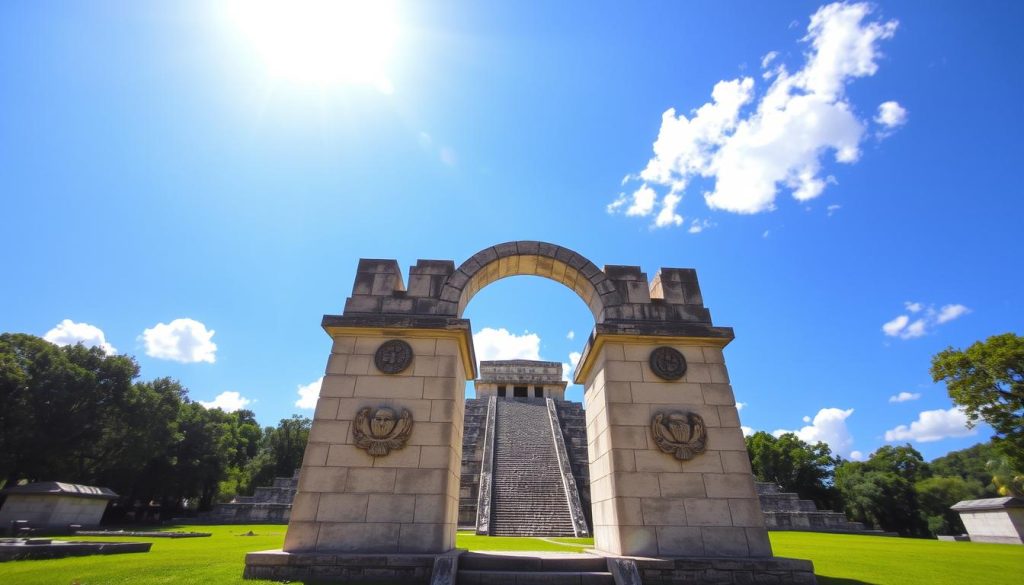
[
  {"x": 726, "y": 571},
  {"x": 316, "y": 567}
]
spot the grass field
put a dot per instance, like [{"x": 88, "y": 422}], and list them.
[{"x": 839, "y": 559}]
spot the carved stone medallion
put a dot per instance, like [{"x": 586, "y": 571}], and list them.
[
  {"x": 680, "y": 433},
  {"x": 393, "y": 356},
  {"x": 667, "y": 363},
  {"x": 380, "y": 430}
]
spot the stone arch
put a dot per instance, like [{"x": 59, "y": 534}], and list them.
[{"x": 529, "y": 258}]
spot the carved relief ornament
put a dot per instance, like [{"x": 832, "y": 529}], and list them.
[
  {"x": 393, "y": 356},
  {"x": 668, "y": 363},
  {"x": 680, "y": 433},
  {"x": 379, "y": 430}
]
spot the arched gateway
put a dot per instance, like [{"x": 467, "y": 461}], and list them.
[{"x": 670, "y": 478}]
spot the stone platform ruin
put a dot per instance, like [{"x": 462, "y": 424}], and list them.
[
  {"x": 786, "y": 511},
  {"x": 18, "y": 549},
  {"x": 670, "y": 479},
  {"x": 268, "y": 505}
]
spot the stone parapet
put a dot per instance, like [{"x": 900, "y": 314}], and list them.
[{"x": 616, "y": 293}]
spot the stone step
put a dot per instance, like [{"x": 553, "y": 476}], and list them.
[
  {"x": 529, "y": 496},
  {"x": 533, "y": 578}
]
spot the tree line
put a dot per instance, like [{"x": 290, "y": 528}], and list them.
[
  {"x": 894, "y": 490},
  {"x": 75, "y": 414}
]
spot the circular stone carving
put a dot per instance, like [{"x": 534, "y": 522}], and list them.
[
  {"x": 667, "y": 363},
  {"x": 393, "y": 356}
]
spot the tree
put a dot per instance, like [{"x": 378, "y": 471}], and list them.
[
  {"x": 971, "y": 464},
  {"x": 280, "y": 453},
  {"x": 880, "y": 491},
  {"x": 987, "y": 380},
  {"x": 795, "y": 465},
  {"x": 56, "y": 404},
  {"x": 937, "y": 494}
]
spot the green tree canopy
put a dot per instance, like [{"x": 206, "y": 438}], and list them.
[
  {"x": 795, "y": 465},
  {"x": 280, "y": 452},
  {"x": 937, "y": 494},
  {"x": 971, "y": 464},
  {"x": 987, "y": 380},
  {"x": 56, "y": 407},
  {"x": 880, "y": 492}
]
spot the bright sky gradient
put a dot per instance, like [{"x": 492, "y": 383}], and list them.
[{"x": 843, "y": 178}]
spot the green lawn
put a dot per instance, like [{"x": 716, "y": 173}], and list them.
[
  {"x": 848, "y": 559},
  {"x": 838, "y": 559}
]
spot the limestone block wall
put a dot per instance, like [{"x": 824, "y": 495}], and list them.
[
  {"x": 646, "y": 502},
  {"x": 1002, "y": 526},
  {"x": 406, "y": 501}
]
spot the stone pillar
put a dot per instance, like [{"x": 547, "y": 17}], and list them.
[
  {"x": 405, "y": 501},
  {"x": 647, "y": 502}
]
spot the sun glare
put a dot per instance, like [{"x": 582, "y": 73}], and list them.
[{"x": 320, "y": 42}]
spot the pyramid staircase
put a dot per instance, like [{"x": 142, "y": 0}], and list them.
[{"x": 528, "y": 496}]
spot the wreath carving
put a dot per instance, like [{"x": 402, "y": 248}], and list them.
[
  {"x": 380, "y": 430},
  {"x": 679, "y": 433}
]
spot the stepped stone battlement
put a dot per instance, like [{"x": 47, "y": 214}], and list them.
[
  {"x": 786, "y": 511},
  {"x": 268, "y": 505}
]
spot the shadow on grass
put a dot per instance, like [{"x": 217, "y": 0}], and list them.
[{"x": 823, "y": 580}]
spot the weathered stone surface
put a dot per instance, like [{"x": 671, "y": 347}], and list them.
[{"x": 641, "y": 505}]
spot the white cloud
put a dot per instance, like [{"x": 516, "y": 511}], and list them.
[
  {"x": 747, "y": 431},
  {"x": 929, "y": 318},
  {"x": 643, "y": 201},
  {"x": 949, "y": 312},
  {"x": 766, "y": 234},
  {"x": 181, "y": 340},
  {"x": 699, "y": 225},
  {"x": 752, "y": 144},
  {"x": 67, "y": 332},
  {"x": 832, "y": 209},
  {"x": 893, "y": 328},
  {"x": 229, "y": 401},
  {"x": 499, "y": 344},
  {"x": 668, "y": 216},
  {"x": 569, "y": 368},
  {"x": 570, "y": 335},
  {"x": 856, "y": 456},
  {"x": 933, "y": 425},
  {"x": 740, "y": 405},
  {"x": 891, "y": 114},
  {"x": 905, "y": 397},
  {"x": 828, "y": 426},
  {"x": 309, "y": 393}
]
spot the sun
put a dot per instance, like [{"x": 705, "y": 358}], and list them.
[{"x": 320, "y": 42}]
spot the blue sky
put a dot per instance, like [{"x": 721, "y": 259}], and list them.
[{"x": 195, "y": 183}]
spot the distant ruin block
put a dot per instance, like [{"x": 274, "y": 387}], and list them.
[
  {"x": 993, "y": 519},
  {"x": 53, "y": 506}
]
